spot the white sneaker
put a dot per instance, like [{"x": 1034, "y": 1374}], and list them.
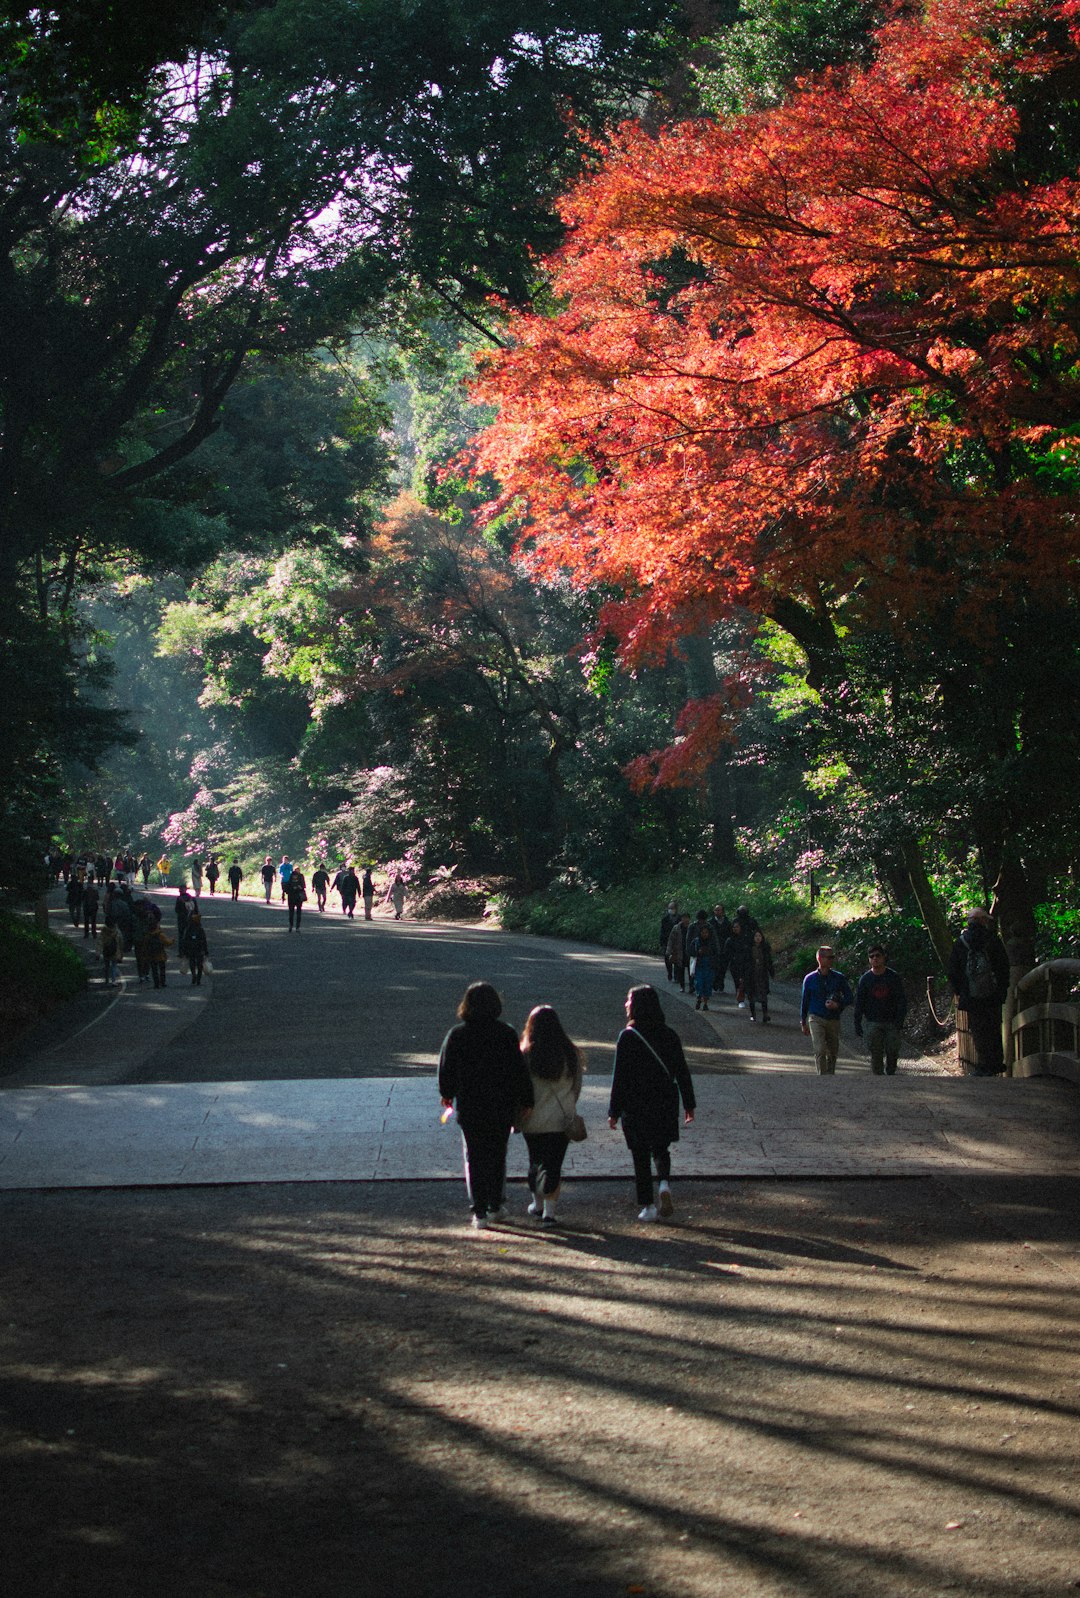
[
  {"x": 480, "y": 1223},
  {"x": 533, "y": 1209},
  {"x": 742, "y": 1004},
  {"x": 648, "y": 1213}
]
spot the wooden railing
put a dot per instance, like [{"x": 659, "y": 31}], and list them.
[{"x": 1042, "y": 1022}]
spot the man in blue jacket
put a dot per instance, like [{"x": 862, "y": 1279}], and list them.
[
  {"x": 826, "y": 994},
  {"x": 880, "y": 1006}
]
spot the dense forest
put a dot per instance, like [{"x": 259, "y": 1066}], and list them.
[{"x": 548, "y": 447}]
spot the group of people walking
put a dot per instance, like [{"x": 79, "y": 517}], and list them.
[
  {"x": 495, "y": 1081},
  {"x": 703, "y": 952}
]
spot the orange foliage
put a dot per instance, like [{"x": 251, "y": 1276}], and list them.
[{"x": 818, "y": 353}]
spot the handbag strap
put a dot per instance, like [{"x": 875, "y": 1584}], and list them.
[{"x": 660, "y": 1062}]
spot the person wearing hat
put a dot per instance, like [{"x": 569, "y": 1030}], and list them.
[{"x": 979, "y": 977}]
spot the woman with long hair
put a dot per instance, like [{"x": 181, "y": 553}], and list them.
[
  {"x": 650, "y": 1077},
  {"x": 483, "y": 1077},
  {"x": 554, "y": 1064}
]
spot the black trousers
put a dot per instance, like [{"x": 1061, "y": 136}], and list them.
[
  {"x": 485, "y": 1167},
  {"x": 984, "y": 1020},
  {"x": 547, "y": 1150},
  {"x": 643, "y": 1156},
  {"x": 294, "y": 915}
]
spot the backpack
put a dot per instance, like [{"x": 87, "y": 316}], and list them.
[{"x": 981, "y": 981}]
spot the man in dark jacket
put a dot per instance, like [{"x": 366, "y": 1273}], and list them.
[
  {"x": 880, "y": 1007},
  {"x": 979, "y": 976},
  {"x": 721, "y": 932}
]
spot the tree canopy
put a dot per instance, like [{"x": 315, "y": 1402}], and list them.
[{"x": 819, "y": 361}]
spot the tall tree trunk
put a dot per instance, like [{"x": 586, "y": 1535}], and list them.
[
  {"x": 1014, "y": 910},
  {"x": 702, "y": 681},
  {"x": 927, "y": 900}
]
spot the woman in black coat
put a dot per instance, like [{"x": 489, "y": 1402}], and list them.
[
  {"x": 483, "y": 1076},
  {"x": 650, "y": 1077}
]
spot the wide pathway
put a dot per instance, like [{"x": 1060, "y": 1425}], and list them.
[{"x": 221, "y": 1084}]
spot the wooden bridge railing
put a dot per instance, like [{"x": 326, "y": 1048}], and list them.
[{"x": 1042, "y": 1022}]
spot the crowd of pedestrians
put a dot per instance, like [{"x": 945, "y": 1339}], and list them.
[{"x": 701, "y": 954}]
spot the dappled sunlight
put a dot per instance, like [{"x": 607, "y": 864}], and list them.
[{"x": 705, "y": 1400}]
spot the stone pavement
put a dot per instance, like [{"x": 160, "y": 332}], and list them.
[
  {"x": 388, "y": 1129},
  {"x": 764, "y": 1113}
]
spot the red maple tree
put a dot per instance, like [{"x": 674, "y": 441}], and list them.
[{"x": 820, "y": 361}]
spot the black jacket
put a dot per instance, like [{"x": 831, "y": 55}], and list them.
[
  {"x": 980, "y": 938},
  {"x": 482, "y": 1070},
  {"x": 645, "y": 1096}
]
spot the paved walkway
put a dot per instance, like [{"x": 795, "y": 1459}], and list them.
[
  {"x": 387, "y": 1129},
  {"x": 763, "y": 1112}
]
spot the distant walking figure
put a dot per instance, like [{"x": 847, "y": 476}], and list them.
[
  {"x": 395, "y": 895},
  {"x": 193, "y": 946},
  {"x": 296, "y": 894},
  {"x": 268, "y": 873},
  {"x": 367, "y": 888},
  {"x": 483, "y": 1076},
  {"x": 213, "y": 872},
  {"x": 320, "y": 881},
  {"x": 759, "y": 969},
  {"x": 347, "y": 886},
  {"x": 650, "y": 1077},
  {"x": 554, "y": 1065},
  {"x": 236, "y": 877}
]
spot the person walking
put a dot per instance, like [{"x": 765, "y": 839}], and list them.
[
  {"x": 677, "y": 951},
  {"x": 669, "y": 919},
  {"x": 111, "y": 945},
  {"x": 555, "y": 1069},
  {"x": 193, "y": 945},
  {"x": 722, "y": 932},
  {"x": 650, "y": 1077},
  {"x": 143, "y": 922},
  {"x": 144, "y": 870},
  {"x": 74, "y": 896},
  {"x": 158, "y": 946},
  {"x": 90, "y": 909},
  {"x": 759, "y": 969},
  {"x": 236, "y": 877},
  {"x": 347, "y": 886},
  {"x": 164, "y": 866},
  {"x": 367, "y": 888},
  {"x": 979, "y": 977},
  {"x": 320, "y": 881},
  {"x": 183, "y": 908},
  {"x": 213, "y": 872},
  {"x": 880, "y": 1008},
  {"x": 196, "y": 876},
  {"x": 395, "y": 894},
  {"x": 284, "y": 873},
  {"x": 704, "y": 958},
  {"x": 296, "y": 896},
  {"x": 268, "y": 873},
  {"x": 736, "y": 959},
  {"x": 826, "y": 994},
  {"x": 483, "y": 1078}
]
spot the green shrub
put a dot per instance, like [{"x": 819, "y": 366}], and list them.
[{"x": 37, "y": 970}]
